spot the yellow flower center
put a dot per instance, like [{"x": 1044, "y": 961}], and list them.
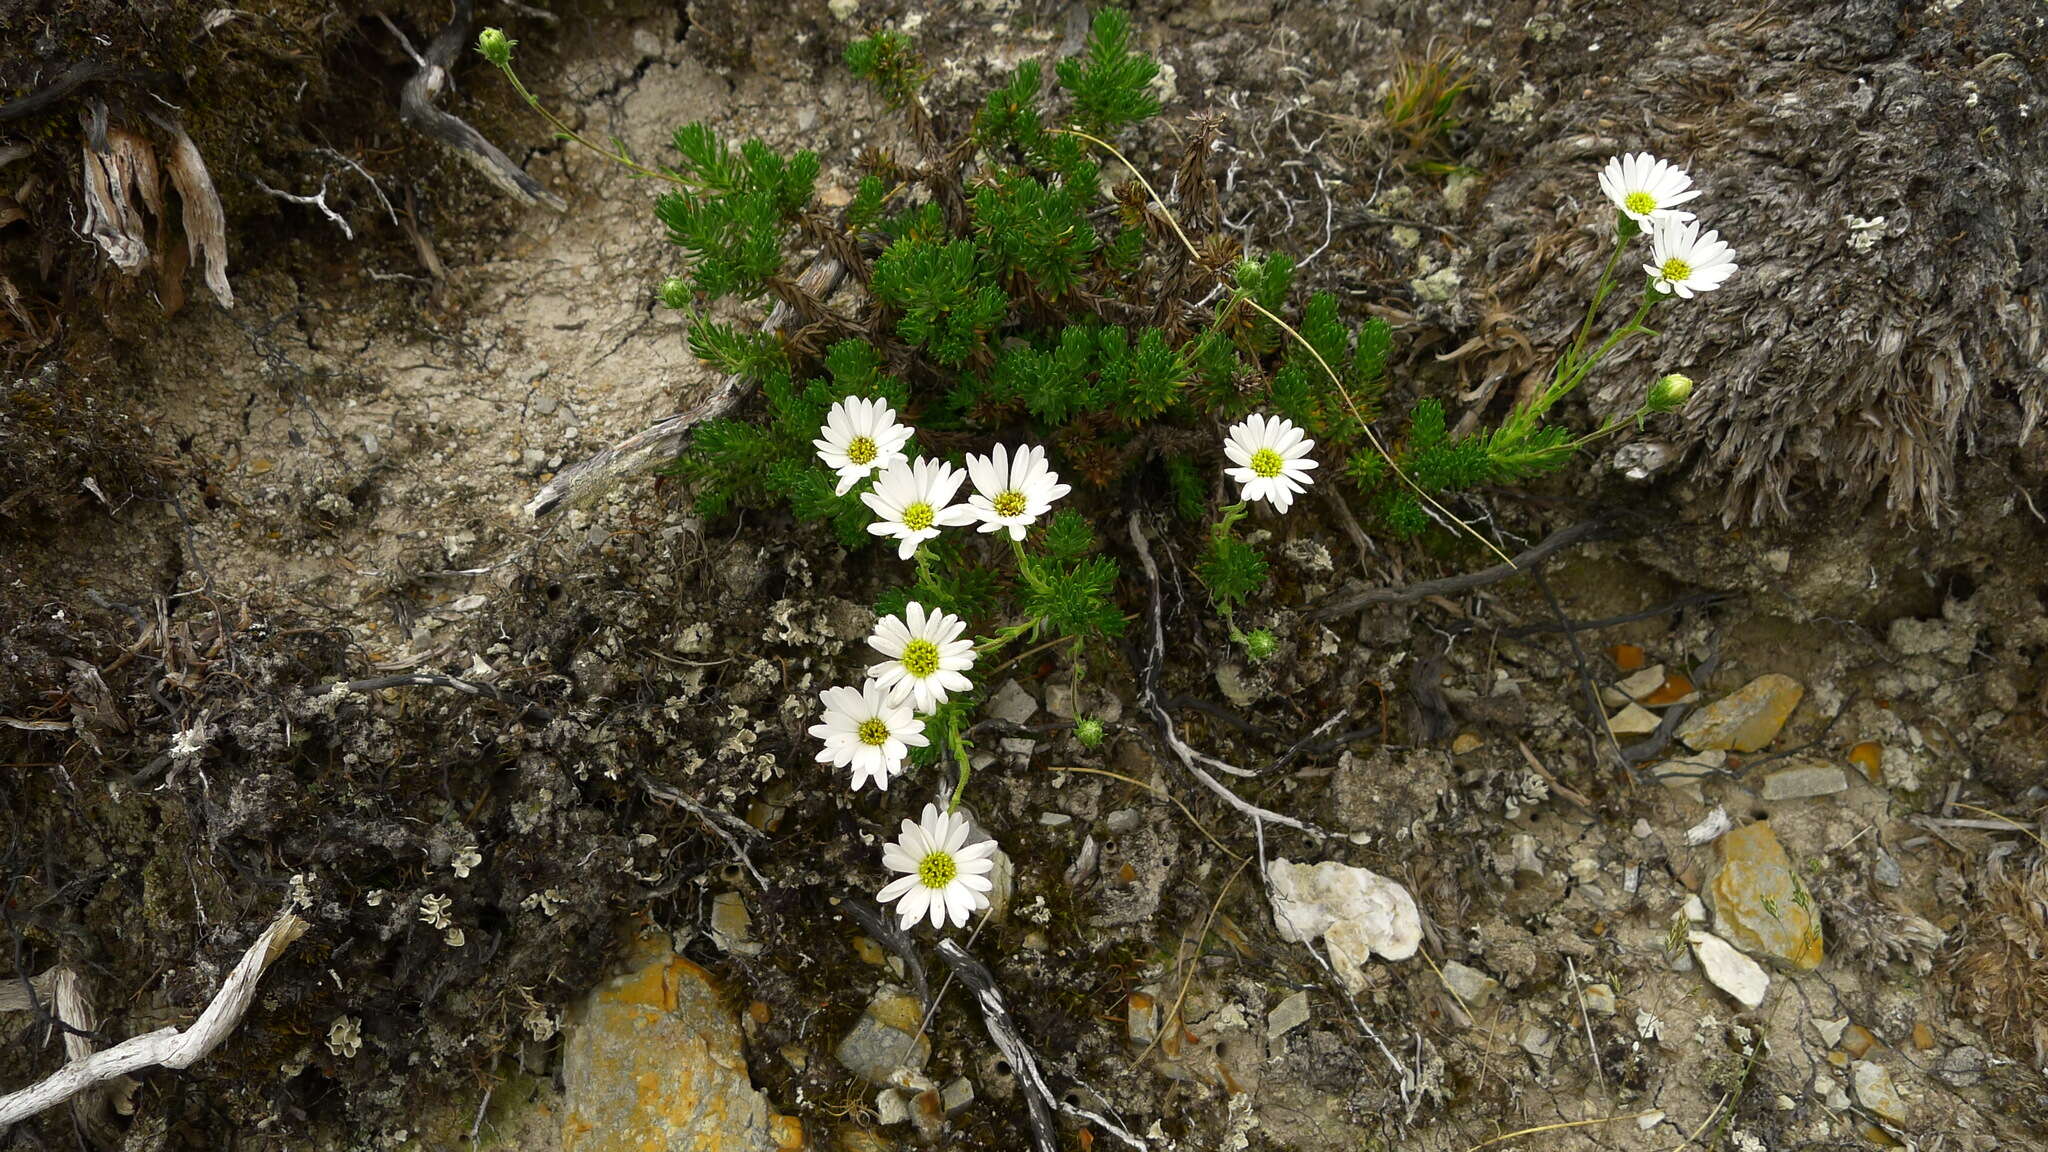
[
  {"x": 937, "y": 870},
  {"x": 862, "y": 450},
  {"x": 1011, "y": 503},
  {"x": 1267, "y": 463},
  {"x": 873, "y": 733},
  {"x": 920, "y": 658},
  {"x": 918, "y": 516},
  {"x": 1677, "y": 271},
  {"x": 1639, "y": 202}
]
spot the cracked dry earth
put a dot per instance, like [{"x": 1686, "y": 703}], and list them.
[{"x": 1811, "y": 914}]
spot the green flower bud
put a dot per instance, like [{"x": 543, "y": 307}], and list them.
[
  {"x": 495, "y": 46},
  {"x": 675, "y": 292},
  {"x": 1089, "y": 732},
  {"x": 1669, "y": 393},
  {"x": 1260, "y": 644}
]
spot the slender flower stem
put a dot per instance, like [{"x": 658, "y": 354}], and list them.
[
  {"x": 1002, "y": 639},
  {"x": 957, "y": 744},
  {"x": 1634, "y": 327},
  {"x": 615, "y": 155},
  {"x": 1624, "y": 231}
]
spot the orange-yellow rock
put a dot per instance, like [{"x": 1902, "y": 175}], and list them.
[
  {"x": 653, "y": 1063},
  {"x": 1759, "y": 904},
  {"x": 1745, "y": 720}
]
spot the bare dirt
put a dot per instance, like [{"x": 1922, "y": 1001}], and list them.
[{"x": 326, "y": 487}]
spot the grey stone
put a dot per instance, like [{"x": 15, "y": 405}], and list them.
[
  {"x": 1803, "y": 779},
  {"x": 1830, "y": 1031},
  {"x": 1600, "y": 1000},
  {"x": 957, "y": 1094},
  {"x": 1539, "y": 1041},
  {"x": 1469, "y": 984},
  {"x": 1141, "y": 1014},
  {"x": 1002, "y": 878},
  {"x": 1633, "y": 720},
  {"x": 1684, "y": 774},
  {"x": 1287, "y": 1015},
  {"x": 887, "y": 1039},
  {"x": 1875, "y": 1091},
  {"x": 891, "y": 1108},
  {"x": 1962, "y": 1066},
  {"x": 732, "y": 925},
  {"x": 1357, "y": 912},
  {"x": 662, "y": 1023},
  {"x": 1012, "y": 703},
  {"x": 1639, "y": 685},
  {"x": 1729, "y": 970}
]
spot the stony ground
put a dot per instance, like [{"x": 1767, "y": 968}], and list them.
[{"x": 1791, "y": 895}]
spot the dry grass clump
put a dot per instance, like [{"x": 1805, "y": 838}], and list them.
[{"x": 2002, "y": 973}]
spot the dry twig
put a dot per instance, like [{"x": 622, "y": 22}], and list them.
[
  {"x": 1557, "y": 541},
  {"x": 170, "y": 1047},
  {"x": 416, "y": 107}
]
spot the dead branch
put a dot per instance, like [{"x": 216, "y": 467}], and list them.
[
  {"x": 584, "y": 480},
  {"x": 71, "y": 1013},
  {"x": 527, "y": 708},
  {"x": 170, "y": 1047},
  {"x": 1038, "y": 1095},
  {"x": 317, "y": 200},
  {"x": 884, "y": 931},
  {"x": 206, "y": 225},
  {"x": 36, "y": 103},
  {"x": 1557, "y": 541},
  {"x": 416, "y": 108},
  {"x": 723, "y": 824}
]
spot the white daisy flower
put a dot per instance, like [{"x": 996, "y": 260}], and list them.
[
  {"x": 1272, "y": 459},
  {"x": 1012, "y": 492},
  {"x": 1646, "y": 189},
  {"x": 860, "y": 437},
  {"x": 915, "y": 500},
  {"x": 867, "y": 731},
  {"x": 1687, "y": 262},
  {"x": 945, "y": 877},
  {"x": 926, "y": 656}
]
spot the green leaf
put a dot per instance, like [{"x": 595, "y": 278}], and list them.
[
  {"x": 754, "y": 355},
  {"x": 1034, "y": 230},
  {"x": 1009, "y": 117},
  {"x": 870, "y": 196},
  {"x": 889, "y": 62},
  {"x": 1073, "y": 600},
  {"x": 1111, "y": 85},
  {"x": 1157, "y": 374},
  {"x": 1068, "y": 536},
  {"x": 1231, "y": 570},
  {"x": 946, "y": 307}
]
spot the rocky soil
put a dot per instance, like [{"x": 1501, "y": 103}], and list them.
[{"x": 1689, "y": 836}]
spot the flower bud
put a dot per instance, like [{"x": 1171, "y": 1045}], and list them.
[
  {"x": 1089, "y": 732},
  {"x": 1669, "y": 393},
  {"x": 675, "y": 292},
  {"x": 1260, "y": 644},
  {"x": 495, "y": 46}
]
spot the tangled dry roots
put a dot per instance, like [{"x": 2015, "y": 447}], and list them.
[
  {"x": 1869, "y": 165},
  {"x": 2002, "y": 976}
]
